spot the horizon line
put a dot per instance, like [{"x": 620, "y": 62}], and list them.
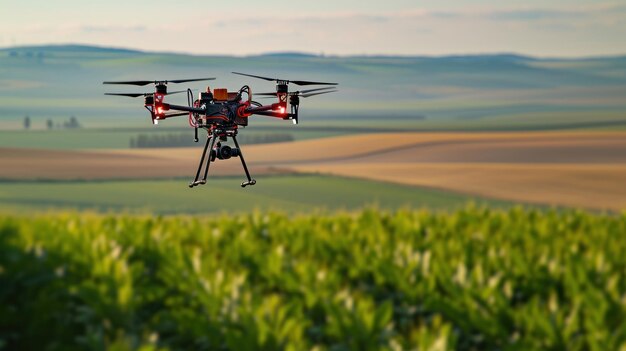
[{"x": 309, "y": 54}]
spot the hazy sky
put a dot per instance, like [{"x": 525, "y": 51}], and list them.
[{"x": 410, "y": 27}]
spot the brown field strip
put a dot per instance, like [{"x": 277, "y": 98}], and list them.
[
  {"x": 568, "y": 168},
  {"x": 598, "y": 186},
  {"x": 30, "y": 164},
  {"x": 363, "y": 145}
]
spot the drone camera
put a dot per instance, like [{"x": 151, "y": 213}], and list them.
[{"x": 225, "y": 152}]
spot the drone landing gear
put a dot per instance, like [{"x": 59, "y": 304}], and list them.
[
  {"x": 243, "y": 163},
  {"x": 222, "y": 153},
  {"x": 210, "y": 142}
]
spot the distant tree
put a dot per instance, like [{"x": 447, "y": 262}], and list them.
[
  {"x": 49, "y": 124},
  {"x": 27, "y": 122},
  {"x": 72, "y": 123}
]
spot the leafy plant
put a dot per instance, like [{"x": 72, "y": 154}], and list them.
[{"x": 474, "y": 279}]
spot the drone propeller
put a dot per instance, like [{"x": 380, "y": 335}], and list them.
[
  {"x": 146, "y": 82},
  {"x": 299, "y": 93},
  {"x": 134, "y": 95},
  {"x": 284, "y": 81},
  {"x": 320, "y": 93}
]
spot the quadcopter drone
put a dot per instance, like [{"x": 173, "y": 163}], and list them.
[{"x": 221, "y": 113}]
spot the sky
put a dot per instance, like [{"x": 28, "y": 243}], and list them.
[{"x": 549, "y": 28}]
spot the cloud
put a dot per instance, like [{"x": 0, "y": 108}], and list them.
[
  {"x": 600, "y": 10},
  {"x": 571, "y": 13},
  {"x": 533, "y": 15},
  {"x": 100, "y": 29}
]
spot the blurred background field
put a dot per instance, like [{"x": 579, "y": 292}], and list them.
[{"x": 555, "y": 125}]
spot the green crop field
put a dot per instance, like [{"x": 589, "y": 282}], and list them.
[
  {"x": 96, "y": 138},
  {"x": 293, "y": 193},
  {"x": 475, "y": 279}
]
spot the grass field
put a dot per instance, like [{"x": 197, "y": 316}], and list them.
[
  {"x": 87, "y": 139},
  {"x": 293, "y": 194}
]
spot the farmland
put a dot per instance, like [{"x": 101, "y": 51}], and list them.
[
  {"x": 506, "y": 127},
  {"x": 574, "y": 168},
  {"x": 474, "y": 279}
]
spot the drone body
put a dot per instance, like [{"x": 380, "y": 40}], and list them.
[{"x": 221, "y": 113}]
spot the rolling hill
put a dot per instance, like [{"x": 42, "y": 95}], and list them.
[{"x": 485, "y": 92}]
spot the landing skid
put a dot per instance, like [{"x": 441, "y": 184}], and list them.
[{"x": 212, "y": 137}]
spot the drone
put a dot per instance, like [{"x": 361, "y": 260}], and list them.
[{"x": 221, "y": 112}]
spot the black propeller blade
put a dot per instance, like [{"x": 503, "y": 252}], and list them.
[
  {"x": 134, "y": 95},
  {"x": 277, "y": 80},
  {"x": 320, "y": 93},
  {"x": 133, "y": 82},
  {"x": 299, "y": 93},
  {"x": 253, "y": 76},
  {"x": 312, "y": 90},
  {"x": 176, "y": 81},
  {"x": 146, "y": 82},
  {"x": 304, "y": 82}
]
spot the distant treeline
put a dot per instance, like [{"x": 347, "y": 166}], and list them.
[
  {"x": 72, "y": 123},
  {"x": 28, "y": 54},
  {"x": 186, "y": 139}
]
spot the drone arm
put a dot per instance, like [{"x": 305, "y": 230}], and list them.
[
  {"x": 168, "y": 107},
  {"x": 256, "y": 110},
  {"x": 274, "y": 110},
  {"x": 275, "y": 114},
  {"x": 174, "y": 115}
]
